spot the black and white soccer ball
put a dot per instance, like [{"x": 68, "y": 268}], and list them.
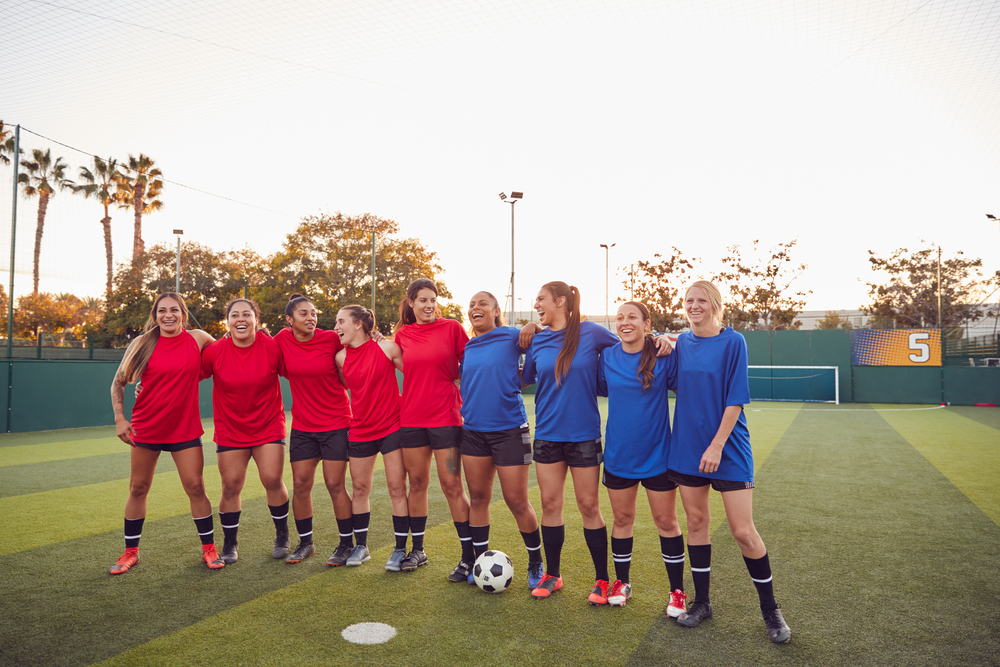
[{"x": 493, "y": 571}]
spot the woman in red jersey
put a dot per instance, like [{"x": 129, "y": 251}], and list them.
[
  {"x": 249, "y": 415},
  {"x": 430, "y": 417},
  {"x": 368, "y": 368},
  {"x": 321, "y": 414},
  {"x": 167, "y": 358}
]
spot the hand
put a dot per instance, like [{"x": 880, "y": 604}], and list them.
[
  {"x": 458, "y": 382},
  {"x": 710, "y": 459},
  {"x": 124, "y": 431},
  {"x": 663, "y": 346},
  {"x": 377, "y": 336},
  {"x": 528, "y": 332},
  {"x": 138, "y": 388}
]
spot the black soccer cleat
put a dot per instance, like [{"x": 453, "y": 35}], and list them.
[
  {"x": 281, "y": 544},
  {"x": 461, "y": 572},
  {"x": 303, "y": 551},
  {"x": 413, "y": 560},
  {"x": 777, "y": 629},
  {"x": 699, "y": 611},
  {"x": 229, "y": 554}
]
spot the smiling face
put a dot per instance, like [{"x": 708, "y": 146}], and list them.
[
  {"x": 483, "y": 313},
  {"x": 698, "y": 308},
  {"x": 242, "y": 323},
  {"x": 630, "y": 324},
  {"x": 551, "y": 310},
  {"x": 425, "y": 306},
  {"x": 303, "y": 320},
  {"x": 169, "y": 316},
  {"x": 351, "y": 331}
]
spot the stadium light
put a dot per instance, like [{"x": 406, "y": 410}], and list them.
[
  {"x": 514, "y": 196},
  {"x": 177, "y": 286},
  {"x": 607, "y": 252}
]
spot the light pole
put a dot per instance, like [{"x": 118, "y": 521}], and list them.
[
  {"x": 607, "y": 252},
  {"x": 514, "y": 196},
  {"x": 992, "y": 217},
  {"x": 177, "y": 284}
]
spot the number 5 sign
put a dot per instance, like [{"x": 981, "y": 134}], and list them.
[{"x": 898, "y": 347}]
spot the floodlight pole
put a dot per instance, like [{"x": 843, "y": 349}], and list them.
[
  {"x": 992, "y": 217},
  {"x": 10, "y": 294},
  {"x": 607, "y": 253},
  {"x": 514, "y": 196},
  {"x": 177, "y": 282}
]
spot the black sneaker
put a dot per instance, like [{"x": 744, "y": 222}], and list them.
[
  {"x": 229, "y": 554},
  {"x": 303, "y": 551},
  {"x": 413, "y": 560},
  {"x": 340, "y": 555},
  {"x": 462, "y": 572},
  {"x": 699, "y": 611},
  {"x": 280, "y": 545},
  {"x": 777, "y": 629}
]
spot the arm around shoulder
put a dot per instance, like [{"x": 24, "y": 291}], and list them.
[
  {"x": 393, "y": 351},
  {"x": 201, "y": 337}
]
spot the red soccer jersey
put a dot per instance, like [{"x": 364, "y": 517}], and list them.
[
  {"x": 319, "y": 401},
  {"x": 371, "y": 377},
  {"x": 167, "y": 408},
  {"x": 431, "y": 353},
  {"x": 246, "y": 395}
]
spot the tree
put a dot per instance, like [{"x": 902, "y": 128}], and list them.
[
  {"x": 760, "y": 292},
  {"x": 6, "y": 144},
  {"x": 139, "y": 188},
  {"x": 42, "y": 311},
  {"x": 659, "y": 285},
  {"x": 42, "y": 178},
  {"x": 833, "y": 320},
  {"x": 99, "y": 184},
  {"x": 908, "y": 294}
]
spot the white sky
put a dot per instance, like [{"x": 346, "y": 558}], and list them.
[{"x": 852, "y": 126}]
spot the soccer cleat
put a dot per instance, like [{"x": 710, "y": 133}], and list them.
[
  {"x": 777, "y": 629},
  {"x": 678, "y": 603},
  {"x": 229, "y": 553},
  {"x": 547, "y": 586},
  {"x": 699, "y": 611},
  {"x": 599, "y": 595},
  {"x": 211, "y": 557},
  {"x": 620, "y": 592},
  {"x": 462, "y": 572},
  {"x": 303, "y": 551},
  {"x": 413, "y": 560},
  {"x": 280, "y": 544},
  {"x": 395, "y": 558},
  {"x": 339, "y": 556},
  {"x": 535, "y": 574},
  {"x": 359, "y": 555},
  {"x": 126, "y": 561}
]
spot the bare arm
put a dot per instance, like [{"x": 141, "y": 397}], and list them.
[
  {"x": 392, "y": 351},
  {"x": 528, "y": 332},
  {"x": 201, "y": 337},
  {"x": 123, "y": 427},
  {"x": 339, "y": 358},
  {"x": 663, "y": 346},
  {"x": 713, "y": 455}
]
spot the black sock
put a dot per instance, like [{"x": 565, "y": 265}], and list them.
[
  {"x": 553, "y": 538},
  {"x": 346, "y": 529},
  {"x": 701, "y": 569},
  {"x": 621, "y": 554},
  {"x": 304, "y": 527},
  {"x": 465, "y": 537},
  {"x": 760, "y": 574},
  {"x": 279, "y": 514},
  {"x": 401, "y": 529},
  {"x": 417, "y": 526},
  {"x": 206, "y": 530},
  {"x": 597, "y": 542},
  {"x": 480, "y": 540},
  {"x": 672, "y": 549},
  {"x": 230, "y": 522},
  {"x": 533, "y": 543},
  {"x": 133, "y": 531},
  {"x": 361, "y": 522}
]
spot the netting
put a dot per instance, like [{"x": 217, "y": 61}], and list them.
[{"x": 809, "y": 384}]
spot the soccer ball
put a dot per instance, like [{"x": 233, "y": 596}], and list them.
[{"x": 493, "y": 571}]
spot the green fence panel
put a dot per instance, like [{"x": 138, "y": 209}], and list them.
[
  {"x": 897, "y": 384},
  {"x": 758, "y": 347},
  {"x": 790, "y": 348},
  {"x": 971, "y": 386},
  {"x": 832, "y": 347},
  {"x": 53, "y": 394}
]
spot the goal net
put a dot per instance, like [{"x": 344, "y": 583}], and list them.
[{"x": 813, "y": 384}]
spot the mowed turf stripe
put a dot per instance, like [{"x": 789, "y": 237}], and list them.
[
  {"x": 965, "y": 451},
  {"x": 871, "y": 546},
  {"x": 61, "y": 435}
]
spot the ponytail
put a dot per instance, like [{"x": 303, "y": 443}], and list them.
[
  {"x": 363, "y": 315},
  {"x": 564, "y": 361},
  {"x": 647, "y": 360}
]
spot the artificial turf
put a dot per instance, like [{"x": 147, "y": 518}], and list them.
[{"x": 880, "y": 522}]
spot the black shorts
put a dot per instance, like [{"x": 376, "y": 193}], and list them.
[
  {"x": 718, "y": 484},
  {"x": 362, "y": 450},
  {"x": 442, "y": 437},
  {"x": 510, "y": 447},
  {"x": 326, "y": 445},
  {"x": 659, "y": 482},
  {"x": 583, "y": 454},
  {"x": 170, "y": 446},
  {"x": 223, "y": 448}
]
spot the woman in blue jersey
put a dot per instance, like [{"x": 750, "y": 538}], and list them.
[
  {"x": 637, "y": 442},
  {"x": 495, "y": 436},
  {"x": 711, "y": 447}
]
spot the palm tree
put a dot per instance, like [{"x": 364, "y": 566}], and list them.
[
  {"x": 139, "y": 187},
  {"x": 99, "y": 183},
  {"x": 6, "y": 144},
  {"x": 42, "y": 178}
]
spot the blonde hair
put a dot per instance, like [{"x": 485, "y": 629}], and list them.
[
  {"x": 714, "y": 297},
  {"x": 138, "y": 353}
]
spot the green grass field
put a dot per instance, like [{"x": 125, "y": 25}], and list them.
[{"x": 881, "y": 522}]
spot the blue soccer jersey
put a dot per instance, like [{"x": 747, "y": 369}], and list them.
[
  {"x": 491, "y": 385},
  {"x": 711, "y": 376},
  {"x": 637, "y": 436},
  {"x": 566, "y": 412}
]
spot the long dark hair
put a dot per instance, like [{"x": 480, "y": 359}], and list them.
[
  {"x": 363, "y": 315},
  {"x": 647, "y": 360},
  {"x": 406, "y": 315},
  {"x": 564, "y": 361},
  {"x": 138, "y": 354}
]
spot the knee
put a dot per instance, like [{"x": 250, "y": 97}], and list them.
[
  {"x": 336, "y": 488},
  {"x": 231, "y": 488},
  {"x": 418, "y": 483},
  {"x": 480, "y": 497},
  {"x": 666, "y": 523},
  {"x": 138, "y": 488},
  {"x": 195, "y": 488},
  {"x": 519, "y": 507},
  {"x": 590, "y": 509},
  {"x": 302, "y": 486},
  {"x": 624, "y": 519},
  {"x": 697, "y": 522},
  {"x": 745, "y": 536},
  {"x": 396, "y": 489},
  {"x": 359, "y": 488}
]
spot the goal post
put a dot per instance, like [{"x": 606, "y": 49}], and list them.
[{"x": 810, "y": 384}]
